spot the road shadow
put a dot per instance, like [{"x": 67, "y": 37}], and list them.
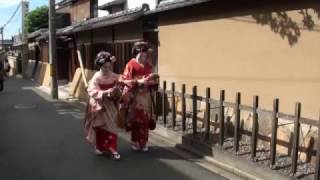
[{"x": 46, "y": 141}]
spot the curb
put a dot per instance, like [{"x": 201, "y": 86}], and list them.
[
  {"x": 214, "y": 162},
  {"x": 233, "y": 169},
  {"x": 224, "y": 166}
]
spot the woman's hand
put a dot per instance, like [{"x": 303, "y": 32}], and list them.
[
  {"x": 131, "y": 83},
  {"x": 142, "y": 81},
  {"x": 107, "y": 93},
  {"x": 153, "y": 82},
  {"x": 148, "y": 81},
  {"x": 134, "y": 82}
]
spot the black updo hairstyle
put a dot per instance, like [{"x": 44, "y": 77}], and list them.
[
  {"x": 139, "y": 47},
  {"x": 103, "y": 57}
]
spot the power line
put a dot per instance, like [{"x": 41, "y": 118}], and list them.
[
  {"x": 12, "y": 26},
  {"x": 17, "y": 18},
  {"x": 12, "y": 16}
]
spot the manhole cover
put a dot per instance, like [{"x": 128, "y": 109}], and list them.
[{"x": 24, "y": 106}]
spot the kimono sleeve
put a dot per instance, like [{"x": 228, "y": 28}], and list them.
[
  {"x": 94, "y": 90},
  {"x": 128, "y": 72}
]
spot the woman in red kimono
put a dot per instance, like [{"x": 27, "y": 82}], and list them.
[
  {"x": 102, "y": 109},
  {"x": 138, "y": 95}
]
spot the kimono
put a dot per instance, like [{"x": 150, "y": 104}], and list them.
[
  {"x": 101, "y": 113},
  {"x": 139, "y": 102}
]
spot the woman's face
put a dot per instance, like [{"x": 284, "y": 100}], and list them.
[
  {"x": 106, "y": 67},
  {"x": 149, "y": 54},
  {"x": 142, "y": 57}
]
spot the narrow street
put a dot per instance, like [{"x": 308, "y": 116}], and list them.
[{"x": 42, "y": 139}]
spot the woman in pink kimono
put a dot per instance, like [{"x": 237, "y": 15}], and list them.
[
  {"x": 138, "y": 95},
  {"x": 102, "y": 109}
]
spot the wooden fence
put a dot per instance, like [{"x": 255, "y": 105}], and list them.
[{"x": 221, "y": 104}]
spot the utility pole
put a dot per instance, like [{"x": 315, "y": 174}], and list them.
[
  {"x": 2, "y": 44},
  {"x": 24, "y": 57},
  {"x": 52, "y": 49}
]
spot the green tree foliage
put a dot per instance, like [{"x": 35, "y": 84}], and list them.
[{"x": 37, "y": 19}]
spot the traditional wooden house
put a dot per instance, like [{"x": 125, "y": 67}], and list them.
[
  {"x": 101, "y": 25},
  {"x": 6, "y": 44},
  {"x": 115, "y": 30},
  {"x": 38, "y": 51},
  {"x": 14, "y": 55},
  {"x": 253, "y": 47}
]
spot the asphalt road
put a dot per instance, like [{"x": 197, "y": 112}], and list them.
[{"x": 42, "y": 139}]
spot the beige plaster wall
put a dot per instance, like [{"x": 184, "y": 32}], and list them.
[{"x": 240, "y": 55}]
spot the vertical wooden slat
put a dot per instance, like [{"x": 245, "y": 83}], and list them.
[
  {"x": 207, "y": 120},
  {"x": 221, "y": 119},
  {"x": 173, "y": 105},
  {"x": 156, "y": 100},
  {"x": 254, "y": 128},
  {"x": 296, "y": 133},
  {"x": 128, "y": 51},
  {"x": 123, "y": 55},
  {"x": 183, "y": 106},
  {"x": 164, "y": 104},
  {"x": 237, "y": 123},
  {"x": 194, "y": 110},
  {"x": 89, "y": 53},
  {"x": 290, "y": 144},
  {"x": 119, "y": 55},
  {"x": 317, "y": 174},
  {"x": 273, "y": 144},
  {"x": 85, "y": 56},
  {"x": 215, "y": 127}
]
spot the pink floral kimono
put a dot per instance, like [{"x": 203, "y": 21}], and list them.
[
  {"x": 101, "y": 114},
  {"x": 140, "y": 103}
]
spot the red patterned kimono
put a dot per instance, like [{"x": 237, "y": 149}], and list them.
[
  {"x": 139, "y": 103},
  {"x": 100, "y": 122}
]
